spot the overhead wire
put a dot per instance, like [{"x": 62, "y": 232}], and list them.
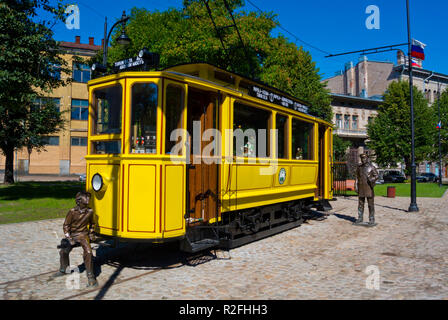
[{"x": 292, "y": 34}]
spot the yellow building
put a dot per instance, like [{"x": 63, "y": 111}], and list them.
[{"x": 65, "y": 150}]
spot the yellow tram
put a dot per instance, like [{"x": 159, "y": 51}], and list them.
[{"x": 195, "y": 185}]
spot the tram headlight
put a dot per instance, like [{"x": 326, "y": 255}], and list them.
[{"x": 97, "y": 182}]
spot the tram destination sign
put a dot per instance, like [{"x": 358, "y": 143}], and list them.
[
  {"x": 275, "y": 98},
  {"x": 129, "y": 64}
]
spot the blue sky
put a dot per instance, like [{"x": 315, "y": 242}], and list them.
[{"x": 331, "y": 26}]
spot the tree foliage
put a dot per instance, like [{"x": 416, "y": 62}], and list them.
[
  {"x": 29, "y": 66},
  {"x": 340, "y": 147},
  {"x": 188, "y": 35},
  {"x": 390, "y": 132},
  {"x": 443, "y": 105}
]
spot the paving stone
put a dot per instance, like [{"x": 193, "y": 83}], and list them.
[{"x": 326, "y": 259}]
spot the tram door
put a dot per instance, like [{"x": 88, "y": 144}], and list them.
[
  {"x": 203, "y": 169},
  {"x": 322, "y": 159}
]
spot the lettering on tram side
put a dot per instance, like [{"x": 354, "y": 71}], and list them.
[{"x": 280, "y": 100}]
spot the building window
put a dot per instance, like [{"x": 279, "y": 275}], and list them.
[
  {"x": 354, "y": 122},
  {"x": 302, "y": 139},
  {"x": 80, "y": 109},
  {"x": 346, "y": 121},
  {"x": 144, "y": 118},
  {"x": 50, "y": 141},
  {"x": 79, "y": 141},
  {"x": 81, "y": 72},
  {"x": 370, "y": 120},
  {"x": 44, "y": 101},
  {"x": 249, "y": 126},
  {"x": 55, "y": 71},
  {"x": 428, "y": 95},
  {"x": 339, "y": 121}
]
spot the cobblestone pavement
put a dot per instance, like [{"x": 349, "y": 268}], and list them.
[{"x": 329, "y": 259}]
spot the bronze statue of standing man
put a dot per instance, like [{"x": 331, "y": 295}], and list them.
[{"x": 366, "y": 176}]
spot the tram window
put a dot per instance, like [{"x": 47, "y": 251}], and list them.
[
  {"x": 107, "y": 147},
  {"x": 107, "y": 110},
  {"x": 281, "y": 124},
  {"x": 250, "y": 140},
  {"x": 144, "y": 118},
  {"x": 302, "y": 140},
  {"x": 173, "y": 114}
]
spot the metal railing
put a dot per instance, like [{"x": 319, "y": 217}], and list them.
[{"x": 340, "y": 175}]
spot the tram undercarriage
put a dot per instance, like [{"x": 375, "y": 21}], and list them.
[{"x": 241, "y": 227}]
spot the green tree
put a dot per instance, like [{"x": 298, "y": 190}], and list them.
[
  {"x": 30, "y": 66},
  {"x": 444, "y": 120},
  {"x": 390, "y": 132},
  {"x": 340, "y": 147},
  {"x": 188, "y": 35}
]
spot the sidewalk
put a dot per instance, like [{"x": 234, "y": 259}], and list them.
[
  {"x": 403, "y": 257},
  {"x": 42, "y": 177}
]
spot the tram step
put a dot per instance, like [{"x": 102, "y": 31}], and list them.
[{"x": 200, "y": 245}]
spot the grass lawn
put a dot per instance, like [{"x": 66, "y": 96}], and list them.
[
  {"x": 29, "y": 201},
  {"x": 426, "y": 190}
]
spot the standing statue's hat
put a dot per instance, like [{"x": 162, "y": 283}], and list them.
[{"x": 363, "y": 155}]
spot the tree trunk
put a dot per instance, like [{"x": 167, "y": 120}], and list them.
[{"x": 9, "y": 166}]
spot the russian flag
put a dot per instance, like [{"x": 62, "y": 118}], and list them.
[
  {"x": 439, "y": 125},
  {"x": 416, "y": 63},
  {"x": 417, "y": 49}
]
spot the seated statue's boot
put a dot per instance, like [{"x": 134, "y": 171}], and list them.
[
  {"x": 91, "y": 280},
  {"x": 58, "y": 274}
]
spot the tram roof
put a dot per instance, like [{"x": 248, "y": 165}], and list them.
[{"x": 206, "y": 72}]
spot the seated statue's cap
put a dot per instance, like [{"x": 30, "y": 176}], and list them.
[{"x": 82, "y": 194}]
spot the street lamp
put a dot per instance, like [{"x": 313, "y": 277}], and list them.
[
  {"x": 440, "y": 128},
  {"x": 123, "y": 39}
]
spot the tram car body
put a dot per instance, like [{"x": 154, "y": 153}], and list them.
[{"x": 206, "y": 193}]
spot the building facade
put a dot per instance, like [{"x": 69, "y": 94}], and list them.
[
  {"x": 358, "y": 90},
  {"x": 64, "y": 151}
]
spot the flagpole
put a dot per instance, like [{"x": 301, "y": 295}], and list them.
[
  {"x": 413, "y": 206},
  {"x": 440, "y": 128}
]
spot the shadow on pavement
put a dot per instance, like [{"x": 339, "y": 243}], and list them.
[{"x": 141, "y": 256}]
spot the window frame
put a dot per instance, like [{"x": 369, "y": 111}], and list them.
[
  {"x": 312, "y": 143},
  {"x": 80, "y": 139},
  {"x": 128, "y": 136},
  {"x": 269, "y": 148},
  {"x": 183, "y": 120},
  {"x": 78, "y": 67},
  {"x": 286, "y": 138},
  {"x": 93, "y": 126},
  {"x": 80, "y": 107}
]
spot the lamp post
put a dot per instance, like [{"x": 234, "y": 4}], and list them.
[
  {"x": 440, "y": 128},
  {"x": 413, "y": 206},
  {"x": 123, "y": 39}
]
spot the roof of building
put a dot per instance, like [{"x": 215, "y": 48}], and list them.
[
  {"x": 400, "y": 67},
  {"x": 373, "y": 99},
  {"x": 79, "y": 47}
]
